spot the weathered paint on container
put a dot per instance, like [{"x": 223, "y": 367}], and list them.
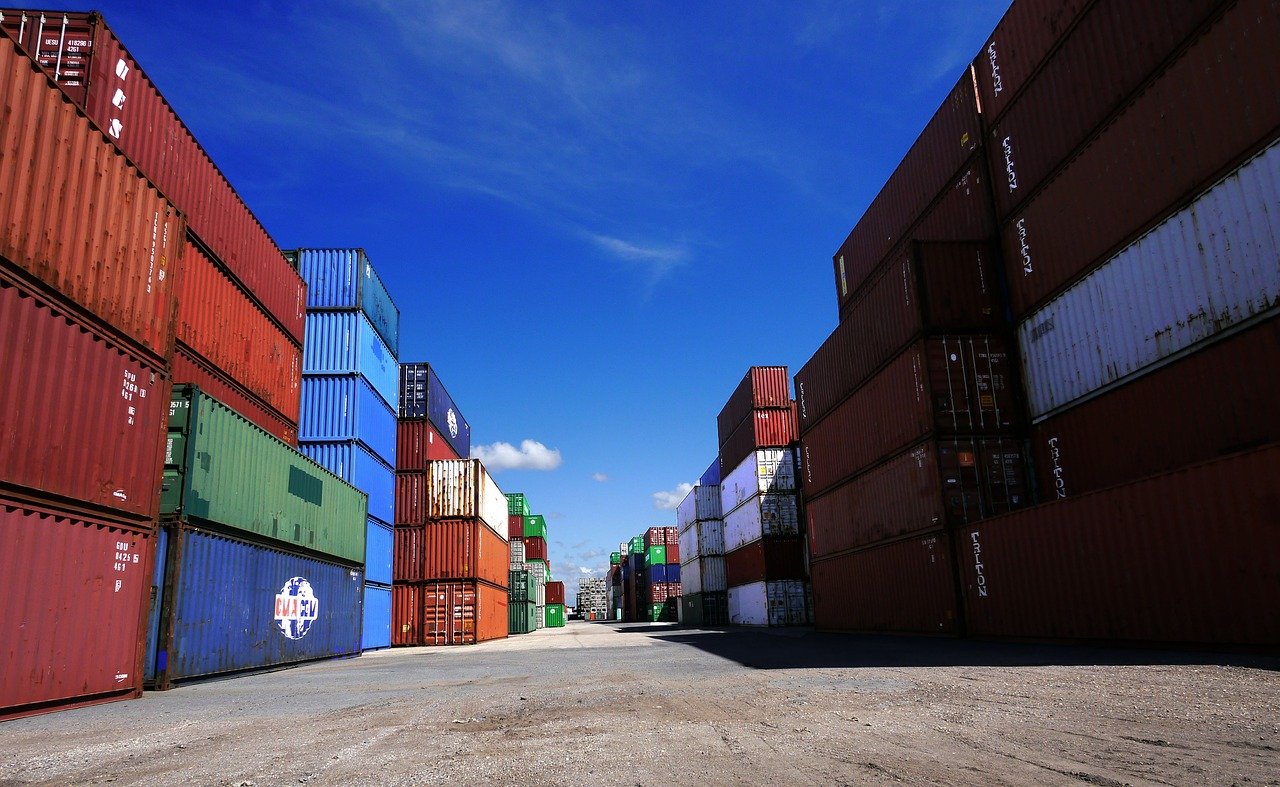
[
  {"x": 704, "y": 574},
  {"x": 220, "y": 468},
  {"x": 1015, "y": 50},
  {"x": 346, "y": 343},
  {"x": 356, "y": 465},
  {"x": 419, "y": 442},
  {"x": 782, "y": 603},
  {"x": 702, "y": 539},
  {"x": 712, "y": 475},
  {"x": 762, "y": 516},
  {"x": 81, "y": 417},
  {"x": 190, "y": 368},
  {"x": 1208, "y": 268},
  {"x": 768, "y": 470},
  {"x": 376, "y": 633},
  {"x": 702, "y": 502},
  {"x": 345, "y": 407},
  {"x": 422, "y": 395},
  {"x": 451, "y": 549},
  {"x": 1193, "y": 561},
  {"x": 457, "y": 489},
  {"x": 448, "y": 613},
  {"x": 54, "y": 563},
  {"x": 379, "y": 547},
  {"x": 232, "y": 605},
  {"x": 345, "y": 279},
  {"x": 762, "y": 387},
  {"x": 762, "y": 429},
  {"x": 78, "y": 217},
  {"x": 673, "y": 553},
  {"x": 765, "y": 559}
]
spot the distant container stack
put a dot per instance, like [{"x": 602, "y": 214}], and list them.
[
  {"x": 519, "y": 523},
  {"x": 650, "y": 576},
  {"x": 592, "y": 600},
  {"x": 700, "y": 522},
  {"x": 555, "y": 611}
]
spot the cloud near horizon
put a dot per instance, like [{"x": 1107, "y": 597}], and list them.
[
  {"x": 599, "y": 477},
  {"x": 669, "y": 501},
  {"x": 531, "y": 455}
]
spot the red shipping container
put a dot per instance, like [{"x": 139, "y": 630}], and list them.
[
  {"x": 107, "y": 83},
  {"x": 937, "y": 483},
  {"x": 772, "y": 428},
  {"x": 1143, "y": 428},
  {"x": 1208, "y": 111},
  {"x": 673, "y": 552},
  {"x": 73, "y": 620},
  {"x": 655, "y": 536},
  {"x": 1186, "y": 557},
  {"x": 78, "y": 217},
  {"x": 658, "y": 593},
  {"x": 555, "y": 592},
  {"x": 406, "y": 614},
  {"x": 946, "y": 385},
  {"x": 535, "y": 548},
  {"x": 409, "y": 509},
  {"x": 450, "y": 549},
  {"x": 1022, "y": 41},
  {"x": 418, "y": 442},
  {"x": 671, "y": 534},
  {"x": 188, "y": 367},
  {"x": 942, "y": 149},
  {"x": 515, "y": 527},
  {"x": 673, "y": 590},
  {"x": 218, "y": 321},
  {"x": 761, "y": 387},
  {"x": 933, "y": 287},
  {"x": 462, "y": 613},
  {"x": 906, "y": 586},
  {"x": 82, "y": 420},
  {"x": 765, "y": 560}
]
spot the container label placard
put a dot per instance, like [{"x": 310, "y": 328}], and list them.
[{"x": 296, "y": 608}]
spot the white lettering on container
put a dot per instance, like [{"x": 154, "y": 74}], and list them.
[
  {"x": 1024, "y": 248},
  {"x": 1010, "y": 170},
  {"x": 1055, "y": 457},
  {"x": 997, "y": 83},
  {"x": 978, "y": 566}
]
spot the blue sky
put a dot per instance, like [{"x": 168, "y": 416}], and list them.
[{"x": 593, "y": 216}]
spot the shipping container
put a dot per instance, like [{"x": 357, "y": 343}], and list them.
[
  {"x": 378, "y": 551},
  {"x": 422, "y": 395},
  {"x": 535, "y": 548},
  {"x": 417, "y": 443},
  {"x": 762, "y": 387},
  {"x": 673, "y": 571},
  {"x": 345, "y": 408},
  {"x": 703, "y": 575},
  {"x": 459, "y": 489},
  {"x": 220, "y": 468},
  {"x": 517, "y": 504},
  {"x": 521, "y": 617},
  {"x": 763, "y": 429},
  {"x": 345, "y": 279},
  {"x": 406, "y": 614},
  {"x": 516, "y": 547},
  {"x": 671, "y": 534},
  {"x": 706, "y": 609},
  {"x": 53, "y": 564},
  {"x": 702, "y": 502},
  {"x": 712, "y": 475},
  {"x": 515, "y": 527},
  {"x": 1226, "y": 86},
  {"x": 1014, "y": 52},
  {"x": 781, "y": 603},
  {"x": 535, "y": 526},
  {"x": 555, "y": 616},
  {"x": 232, "y": 605},
  {"x": 762, "y": 516},
  {"x": 673, "y": 553},
  {"x": 455, "y": 613},
  {"x": 376, "y": 633},
  {"x": 356, "y": 465},
  {"x": 189, "y": 368},
  {"x": 765, "y": 559},
  {"x": 941, "y": 482},
  {"x": 346, "y": 343},
  {"x": 120, "y": 98},
  {"x": 522, "y": 585},
  {"x": 656, "y": 574},
  {"x": 1185, "y": 557},
  {"x": 768, "y": 470},
  {"x": 656, "y": 555},
  {"x": 555, "y": 593},
  {"x": 702, "y": 539},
  {"x": 451, "y": 549},
  {"x": 655, "y": 536},
  {"x": 904, "y": 586},
  {"x": 82, "y": 417},
  {"x": 945, "y": 385},
  {"x": 1209, "y": 268}
]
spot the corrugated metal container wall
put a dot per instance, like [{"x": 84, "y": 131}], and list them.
[
  {"x": 762, "y": 429},
  {"x": 53, "y": 564},
  {"x": 406, "y": 614},
  {"x": 765, "y": 559},
  {"x": 1194, "y": 560},
  {"x": 239, "y": 606},
  {"x": 907, "y": 586},
  {"x": 673, "y": 553},
  {"x": 462, "y": 613},
  {"x": 1026, "y": 35},
  {"x": 761, "y": 387},
  {"x": 702, "y": 539},
  {"x": 712, "y": 475},
  {"x": 422, "y": 395},
  {"x": 555, "y": 593},
  {"x": 346, "y": 343},
  {"x": 191, "y": 369},
  {"x": 378, "y": 550},
  {"x": 353, "y": 463},
  {"x": 656, "y": 575},
  {"x": 376, "y": 633},
  {"x": 516, "y": 545},
  {"x": 1208, "y": 268},
  {"x": 766, "y": 470},
  {"x": 219, "y": 322},
  {"x": 122, "y": 100},
  {"x": 704, "y": 574},
  {"x": 937, "y": 483},
  {"x": 78, "y": 216},
  {"x": 345, "y": 279},
  {"x": 766, "y": 515},
  {"x": 451, "y": 549},
  {"x": 555, "y": 616},
  {"x": 702, "y": 502},
  {"x": 706, "y": 609},
  {"x": 221, "y": 468},
  {"x": 459, "y": 489},
  {"x": 81, "y": 418},
  {"x": 535, "y": 548},
  {"x": 781, "y": 603},
  {"x": 1226, "y": 84},
  {"x": 160, "y": 566},
  {"x": 347, "y": 408},
  {"x": 418, "y": 442}
]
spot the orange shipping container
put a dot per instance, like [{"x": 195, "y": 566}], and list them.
[
  {"x": 190, "y": 368},
  {"x": 448, "y": 613},
  {"x": 450, "y": 549}
]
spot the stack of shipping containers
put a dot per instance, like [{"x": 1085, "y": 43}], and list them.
[
  {"x": 555, "y": 612},
  {"x": 522, "y": 596},
  {"x": 518, "y": 516},
  {"x": 592, "y": 601},
  {"x": 700, "y": 523},
  {"x": 655, "y": 575},
  {"x": 534, "y": 538},
  {"x": 350, "y": 380},
  {"x": 614, "y": 587}
]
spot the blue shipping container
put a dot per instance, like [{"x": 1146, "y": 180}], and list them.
[
  {"x": 379, "y": 544},
  {"x": 356, "y": 465},
  {"x": 673, "y": 572},
  {"x": 377, "y": 618},
  {"x": 345, "y": 407},
  {"x": 239, "y": 606},
  {"x": 709, "y": 478},
  {"x": 157, "y": 593},
  {"x": 657, "y": 574},
  {"x": 422, "y": 395},
  {"x": 345, "y": 279},
  {"x": 346, "y": 343}
]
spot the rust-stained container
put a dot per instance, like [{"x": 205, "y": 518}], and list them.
[
  {"x": 906, "y": 586},
  {"x": 188, "y": 367},
  {"x": 933, "y": 287},
  {"x": 942, "y": 149},
  {"x": 451, "y": 489},
  {"x": 119, "y": 96},
  {"x": 448, "y": 613},
  {"x": 73, "y": 619},
  {"x": 766, "y": 560},
  {"x": 673, "y": 552},
  {"x": 945, "y": 385},
  {"x": 406, "y": 614},
  {"x": 655, "y": 536},
  {"x": 1196, "y": 409},
  {"x": 1208, "y": 111},
  {"x": 82, "y": 419},
  {"x": 1185, "y": 557},
  {"x": 772, "y": 428},
  {"x": 450, "y": 549},
  {"x": 217, "y": 320},
  {"x": 535, "y": 548},
  {"x": 938, "y": 483},
  {"x": 555, "y": 593},
  {"x": 761, "y": 387},
  {"x": 1021, "y": 42},
  {"x": 78, "y": 217},
  {"x": 417, "y": 443}
]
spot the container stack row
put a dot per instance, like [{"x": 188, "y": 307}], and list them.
[
  {"x": 650, "y": 576},
  {"x": 700, "y": 524},
  {"x": 529, "y": 552},
  {"x": 592, "y": 601}
]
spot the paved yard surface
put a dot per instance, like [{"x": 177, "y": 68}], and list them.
[{"x": 660, "y": 705}]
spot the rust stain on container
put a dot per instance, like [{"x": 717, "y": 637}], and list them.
[{"x": 448, "y": 613}]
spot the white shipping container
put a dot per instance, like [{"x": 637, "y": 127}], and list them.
[
  {"x": 782, "y": 603},
  {"x": 702, "y": 539},
  {"x": 540, "y": 616},
  {"x": 1210, "y": 267},
  {"x": 762, "y": 515},
  {"x": 765, "y": 470},
  {"x": 461, "y": 489},
  {"x": 706, "y": 574},
  {"x": 702, "y": 502},
  {"x": 517, "y": 552}
]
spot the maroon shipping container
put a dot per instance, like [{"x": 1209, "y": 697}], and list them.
[
  {"x": 515, "y": 527},
  {"x": 447, "y": 613},
  {"x": 946, "y": 385},
  {"x": 555, "y": 592},
  {"x": 418, "y": 442},
  {"x": 947, "y": 142},
  {"x": 655, "y": 536},
  {"x": 1210, "y": 110},
  {"x": 673, "y": 552},
  {"x": 188, "y": 367},
  {"x": 907, "y": 586},
  {"x": 108, "y": 84},
  {"x": 82, "y": 420},
  {"x": 73, "y": 618},
  {"x": 450, "y": 549},
  {"x": 934, "y": 287},
  {"x": 1022, "y": 41},
  {"x": 1186, "y": 557},
  {"x": 765, "y": 560},
  {"x": 1113, "y": 50},
  {"x": 78, "y": 217},
  {"x": 772, "y": 428},
  {"x": 674, "y": 590},
  {"x": 535, "y": 548},
  {"x": 937, "y": 483},
  {"x": 671, "y": 534},
  {"x": 658, "y": 592},
  {"x": 761, "y": 387},
  {"x": 1196, "y": 409},
  {"x": 406, "y": 614}
]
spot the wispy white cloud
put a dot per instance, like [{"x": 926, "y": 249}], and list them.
[
  {"x": 599, "y": 478},
  {"x": 531, "y": 455},
  {"x": 670, "y": 501}
]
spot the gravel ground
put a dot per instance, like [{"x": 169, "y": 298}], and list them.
[{"x": 660, "y": 705}]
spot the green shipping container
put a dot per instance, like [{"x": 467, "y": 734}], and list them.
[
  {"x": 656, "y": 556},
  {"x": 224, "y": 470},
  {"x": 615, "y": 558},
  {"x": 637, "y": 545},
  {"x": 665, "y": 612},
  {"x": 535, "y": 526},
  {"x": 555, "y": 616},
  {"x": 523, "y": 587},
  {"x": 521, "y": 617},
  {"x": 517, "y": 504}
]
